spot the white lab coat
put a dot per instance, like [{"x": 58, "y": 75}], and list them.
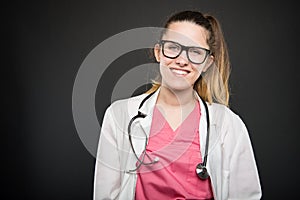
[{"x": 231, "y": 163}]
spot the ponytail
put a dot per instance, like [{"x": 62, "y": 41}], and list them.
[{"x": 216, "y": 86}]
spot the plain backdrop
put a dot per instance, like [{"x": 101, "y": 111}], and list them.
[{"x": 45, "y": 43}]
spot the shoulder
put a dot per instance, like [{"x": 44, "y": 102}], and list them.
[
  {"x": 126, "y": 106},
  {"x": 135, "y": 100},
  {"x": 219, "y": 110},
  {"x": 226, "y": 119}
]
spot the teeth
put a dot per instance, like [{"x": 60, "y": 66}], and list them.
[{"x": 181, "y": 72}]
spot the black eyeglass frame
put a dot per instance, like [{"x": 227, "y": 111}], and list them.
[{"x": 184, "y": 48}]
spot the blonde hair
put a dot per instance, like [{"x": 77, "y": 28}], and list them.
[{"x": 213, "y": 85}]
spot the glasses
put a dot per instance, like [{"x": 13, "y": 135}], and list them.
[{"x": 196, "y": 55}]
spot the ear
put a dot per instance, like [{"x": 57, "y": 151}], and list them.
[
  {"x": 157, "y": 52},
  {"x": 208, "y": 63}
]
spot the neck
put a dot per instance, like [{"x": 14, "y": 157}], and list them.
[{"x": 176, "y": 98}]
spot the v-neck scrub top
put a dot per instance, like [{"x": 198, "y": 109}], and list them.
[{"x": 173, "y": 176}]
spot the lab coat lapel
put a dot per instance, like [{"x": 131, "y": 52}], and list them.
[
  {"x": 147, "y": 109},
  {"x": 203, "y": 127}
]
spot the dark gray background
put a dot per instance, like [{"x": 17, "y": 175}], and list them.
[{"x": 46, "y": 41}]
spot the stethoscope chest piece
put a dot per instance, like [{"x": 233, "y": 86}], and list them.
[{"x": 202, "y": 171}]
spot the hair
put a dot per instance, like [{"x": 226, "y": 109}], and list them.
[{"x": 215, "y": 86}]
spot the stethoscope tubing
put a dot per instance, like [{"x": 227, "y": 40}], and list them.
[{"x": 202, "y": 175}]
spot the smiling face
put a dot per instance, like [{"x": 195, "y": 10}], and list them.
[{"x": 180, "y": 73}]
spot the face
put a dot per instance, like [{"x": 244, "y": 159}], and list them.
[{"x": 180, "y": 73}]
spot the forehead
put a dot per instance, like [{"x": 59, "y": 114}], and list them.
[{"x": 187, "y": 33}]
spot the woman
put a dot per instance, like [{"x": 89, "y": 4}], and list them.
[{"x": 176, "y": 148}]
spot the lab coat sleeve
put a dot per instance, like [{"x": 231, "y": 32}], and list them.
[
  {"x": 107, "y": 168},
  {"x": 244, "y": 180}
]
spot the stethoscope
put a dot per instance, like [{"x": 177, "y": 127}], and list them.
[{"x": 200, "y": 168}]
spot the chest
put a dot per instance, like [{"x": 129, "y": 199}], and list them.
[{"x": 175, "y": 116}]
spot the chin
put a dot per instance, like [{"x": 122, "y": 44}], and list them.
[{"x": 178, "y": 86}]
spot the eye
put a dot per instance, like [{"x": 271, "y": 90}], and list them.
[
  {"x": 196, "y": 51},
  {"x": 172, "y": 47}
]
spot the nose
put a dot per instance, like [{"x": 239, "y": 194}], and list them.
[{"x": 182, "y": 59}]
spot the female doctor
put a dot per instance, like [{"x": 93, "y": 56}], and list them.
[{"x": 179, "y": 140}]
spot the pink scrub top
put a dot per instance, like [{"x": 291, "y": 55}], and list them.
[{"x": 173, "y": 176}]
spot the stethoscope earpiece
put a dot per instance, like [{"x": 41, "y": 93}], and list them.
[{"x": 202, "y": 171}]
